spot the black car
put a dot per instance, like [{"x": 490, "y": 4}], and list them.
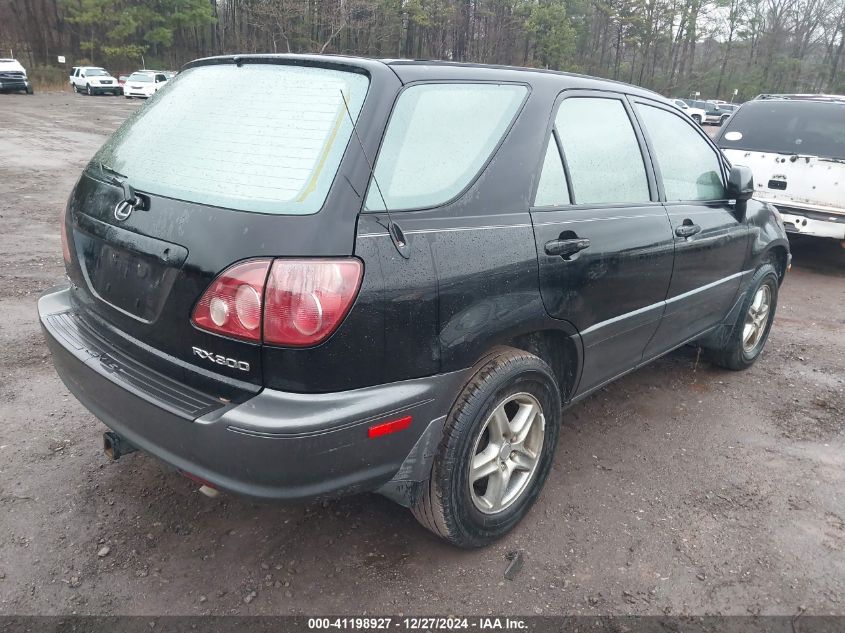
[{"x": 344, "y": 275}]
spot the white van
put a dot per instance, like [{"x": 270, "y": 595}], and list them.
[{"x": 795, "y": 145}]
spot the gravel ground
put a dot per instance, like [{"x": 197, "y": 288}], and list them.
[{"x": 679, "y": 489}]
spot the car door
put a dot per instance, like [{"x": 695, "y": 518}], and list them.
[
  {"x": 603, "y": 239},
  {"x": 711, "y": 242}
]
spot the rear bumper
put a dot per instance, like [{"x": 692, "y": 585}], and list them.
[
  {"x": 276, "y": 445},
  {"x": 815, "y": 223}
]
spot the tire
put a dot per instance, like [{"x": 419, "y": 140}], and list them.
[
  {"x": 511, "y": 382},
  {"x": 88, "y": 90},
  {"x": 696, "y": 118},
  {"x": 738, "y": 352}
]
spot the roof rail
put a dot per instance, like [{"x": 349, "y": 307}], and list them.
[{"x": 802, "y": 97}]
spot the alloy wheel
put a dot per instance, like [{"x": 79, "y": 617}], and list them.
[
  {"x": 756, "y": 319},
  {"x": 506, "y": 453}
]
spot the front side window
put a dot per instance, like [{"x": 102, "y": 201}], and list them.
[
  {"x": 271, "y": 142},
  {"x": 438, "y": 139},
  {"x": 601, "y": 150},
  {"x": 690, "y": 168}
]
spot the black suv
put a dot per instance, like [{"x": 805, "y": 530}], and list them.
[{"x": 345, "y": 275}]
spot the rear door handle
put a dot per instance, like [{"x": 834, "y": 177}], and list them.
[
  {"x": 566, "y": 248},
  {"x": 687, "y": 230}
]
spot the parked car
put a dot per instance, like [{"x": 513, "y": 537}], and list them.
[
  {"x": 696, "y": 114},
  {"x": 254, "y": 303},
  {"x": 796, "y": 149},
  {"x": 719, "y": 112},
  {"x": 93, "y": 80},
  {"x": 121, "y": 81},
  {"x": 715, "y": 111},
  {"x": 13, "y": 77},
  {"x": 144, "y": 84}
]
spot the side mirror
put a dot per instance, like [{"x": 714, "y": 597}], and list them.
[{"x": 740, "y": 183}]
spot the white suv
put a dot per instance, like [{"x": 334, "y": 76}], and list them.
[
  {"x": 13, "y": 77},
  {"x": 93, "y": 80},
  {"x": 795, "y": 145}
]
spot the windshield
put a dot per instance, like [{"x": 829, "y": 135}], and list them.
[
  {"x": 140, "y": 77},
  {"x": 788, "y": 127},
  {"x": 270, "y": 143},
  {"x": 95, "y": 72},
  {"x": 10, "y": 65}
]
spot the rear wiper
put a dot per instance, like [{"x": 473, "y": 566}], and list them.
[
  {"x": 119, "y": 180},
  {"x": 116, "y": 176}
]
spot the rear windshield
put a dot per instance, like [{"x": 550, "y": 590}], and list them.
[
  {"x": 788, "y": 127},
  {"x": 264, "y": 138}
]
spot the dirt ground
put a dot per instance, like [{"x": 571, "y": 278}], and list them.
[{"x": 679, "y": 489}]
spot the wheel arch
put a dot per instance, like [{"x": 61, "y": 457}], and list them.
[
  {"x": 778, "y": 255},
  {"x": 558, "y": 350}
]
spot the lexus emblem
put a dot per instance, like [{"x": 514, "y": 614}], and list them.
[{"x": 123, "y": 210}]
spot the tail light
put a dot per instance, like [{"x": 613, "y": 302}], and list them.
[
  {"x": 63, "y": 226},
  {"x": 308, "y": 298},
  {"x": 300, "y": 303},
  {"x": 232, "y": 304}
]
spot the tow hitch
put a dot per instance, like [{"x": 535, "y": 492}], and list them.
[{"x": 115, "y": 446}]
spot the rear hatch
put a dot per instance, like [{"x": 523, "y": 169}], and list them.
[
  {"x": 230, "y": 162},
  {"x": 796, "y": 150}
]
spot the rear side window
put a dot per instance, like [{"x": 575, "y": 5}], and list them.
[
  {"x": 438, "y": 139},
  {"x": 552, "y": 190},
  {"x": 689, "y": 166},
  {"x": 269, "y": 142},
  {"x": 601, "y": 150}
]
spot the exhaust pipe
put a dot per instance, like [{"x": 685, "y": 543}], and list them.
[
  {"x": 115, "y": 446},
  {"x": 205, "y": 488}
]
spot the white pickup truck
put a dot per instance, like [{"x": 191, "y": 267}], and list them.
[
  {"x": 93, "y": 80},
  {"x": 795, "y": 145}
]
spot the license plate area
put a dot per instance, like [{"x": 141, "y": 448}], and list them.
[{"x": 137, "y": 284}]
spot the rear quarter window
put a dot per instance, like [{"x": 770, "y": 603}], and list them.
[{"x": 438, "y": 139}]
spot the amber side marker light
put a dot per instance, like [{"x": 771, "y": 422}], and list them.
[{"x": 386, "y": 428}]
